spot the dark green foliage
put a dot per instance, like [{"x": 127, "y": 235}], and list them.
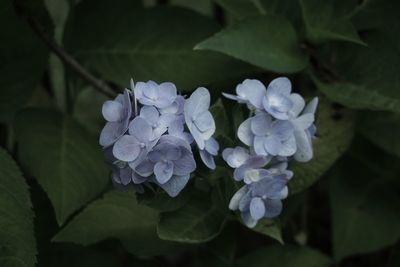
[
  {"x": 343, "y": 207},
  {"x": 17, "y": 241}
]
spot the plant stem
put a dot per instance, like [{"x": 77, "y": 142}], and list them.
[{"x": 66, "y": 58}]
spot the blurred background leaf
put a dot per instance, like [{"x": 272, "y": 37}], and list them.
[
  {"x": 327, "y": 20},
  {"x": 23, "y": 59},
  {"x": 63, "y": 157},
  {"x": 17, "y": 240},
  {"x": 274, "y": 44},
  {"x": 117, "y": 215},
  {"x": 284, "y": 256},
  {"x": 159, "y": 48},
  {"x": 334, "y": 135},
  {"x": 365, "y": 208}
]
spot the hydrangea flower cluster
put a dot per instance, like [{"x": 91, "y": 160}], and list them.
[
  {"x": 281, "y": 128},
  {"x": 145, "y": 140}
]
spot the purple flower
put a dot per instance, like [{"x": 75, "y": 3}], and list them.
[
  {"x": 262, "y": 199},
  {"x": 304, "y": 130},
  {"x": 126, "y": 175},
  {"x": 172, "y": 156},
  {"x": 153, "y": 94},
  {"x": 198, "y": 118},
  {"x": 277, "y": 100},
  {"x": 268, "y": 137},
  {"x": 210, "y": 150},
  {"x": 250, "y": 92},
  {"x": 175, "y": 108},
  {"x": 251, "y": 170},
  {"x": 235, "y": 157},
  {"x": 176, "y": 128},
  {"x": 117, "y": 113},
  {"x": 133, "y": 148},
  {"x": 159, "y": 123}
]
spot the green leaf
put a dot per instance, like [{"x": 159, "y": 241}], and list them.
[
  {"x": 17, "y": 241},
  {"x": 335, "y": 129},
  {"x": 284, "y": 256},
  {"x": 23, "y": 59},
  {"x": 377, "y": 14},
  {"x": 200, "y": 220},
  {"x": 372, "y": 72},
  {"x": 66, "y": 160},
  {"x": 365, "y": 210},
  {"x": 204, "y": 7},
  {"x": 219, "y": 252},
  {"x": 90, "y": 118},
  {"x": 382, "y": 129},
  {"x": 223, "y": 247},
  {"x": 240, "y": 9},
  {"x": 358, "y": 97},
  {"x": 269, "y": 42},
  {"x": 117, "y": 215},
  {"x": 148, "y": 44},
  {"x": 221, "y": 119},
  {"x": 324, "y": 22},
  {"x": 270, "y": 228},
  {"x": 161, "y": 201},
  {"x": 58, "y": 11}
]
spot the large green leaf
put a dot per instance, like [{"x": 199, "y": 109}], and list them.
[
  {"x": 241, "y": 9},
  {"x": 119, "y": 216},
  {"x": 90, "y": 118},
  {"x": 65, "y": 159},
  {"x": 161, "y": 201},
  {"x": 270, "y": 228},
  {"x": 377, "y": 14},
  {"x": 58, "y": 11},
  {"x": 358, "y": 97},
  {"x": 17, "y": 241},
  {"x": 221, "y": 119},
  {"x": 219, "y": 252},
  {"x": 369, "y": 76},
  {"x": 269, "y": 42},
  {"x": 204, "y": 7},
  {"x": 365, "y": 210},
  {"x": 156, "y": 43},
  {"x": 382, "y": 129},
  {"x": 23, "y": 59},
  {"x": 284, "y": 256},
  {"x": 374, "y": 66},
  {"x": 335, "y": 129},
  {"x": 324, "y": 22},
  {"x": 200, "y": 220}
]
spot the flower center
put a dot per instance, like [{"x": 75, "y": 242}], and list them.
[{"x": 252, "y": 175}]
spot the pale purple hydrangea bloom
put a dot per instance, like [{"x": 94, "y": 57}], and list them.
[
  {"x": 171, "y": 156},
  {"x": 278, "y": 98},
  {"x": 262, "y": 198},
  {"x": 201, "y": 125},
  {"x": 267, "y": 136},
  {"x": 158, "y": 95},
  {"x": 304, "y": 129},
  {"x": 281, "y": 129},
  {"x": 145, "y": 141},
  {"x": 117, "y": 113},
  {"x": 198, "y": 118},
  {"x": 235, "y": 157},
  {"x": 250, "y": 92},
  {"x": 210, "y": 150}
]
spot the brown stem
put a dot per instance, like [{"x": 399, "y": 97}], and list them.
[{"x": 66, "y": 58}]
